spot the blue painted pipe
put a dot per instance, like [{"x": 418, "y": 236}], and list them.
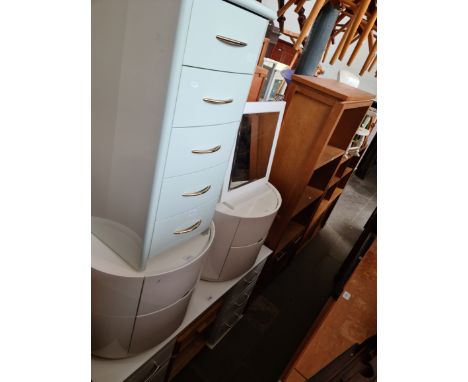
[{"x": 317, "y": 40}]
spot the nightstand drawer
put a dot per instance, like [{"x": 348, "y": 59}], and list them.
[
  {"x": 151, "y": 329},
  {"x": 114, "y": 295},
  {"x": 182, "y": 193},
  {"x": 252, "y": 231},
  {"x": 179, "y": 228},
  {"x": 196, "y": 148},
  {"x": 239, "y": 260},
  {"x": 111, "y": 335},
  {"x": 223, "y": 36},
  {"x": 209, "y": 97}
]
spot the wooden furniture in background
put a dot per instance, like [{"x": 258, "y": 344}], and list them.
[
  {"x": 257, "y": 83},
  {"x": 193, "y": 339},
  {"x": 259, "y": 75},
  {"x": 283, "y": 52},
  {"x": 349, "y": 320},
  {"x": 310, "y": 169}
]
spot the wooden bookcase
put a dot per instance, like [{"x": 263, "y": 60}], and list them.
[{"x": 310, "y": 168}]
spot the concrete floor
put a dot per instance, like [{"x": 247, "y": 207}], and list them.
[{"x": 260, "y": 346}]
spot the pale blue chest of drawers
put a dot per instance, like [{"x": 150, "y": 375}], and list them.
[{"x": 169, "y": 83}]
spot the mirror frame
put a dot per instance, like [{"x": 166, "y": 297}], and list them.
[{"x": 254, "y": 108}]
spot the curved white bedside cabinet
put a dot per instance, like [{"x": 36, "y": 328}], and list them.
[
  {"x": 241, "y": 229},
  {"x": 132, "y": 311},
  {"x": 170, "y": 80}
]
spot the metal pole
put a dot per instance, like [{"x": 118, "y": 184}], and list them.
[{"x": 317, "y": 40}]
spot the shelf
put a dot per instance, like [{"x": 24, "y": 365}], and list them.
[
  {"x": 344, "y": 179},
  {"x": 293, "y": 231},
  {"x": 328, "y": 154},
  {"x": 324, "y": 204},
  {"x": 334, "y": 196},
  {"x": 310, "y": 194},
  {"x": 347, "y": 172},
  {"x": 336, "y": 179}
]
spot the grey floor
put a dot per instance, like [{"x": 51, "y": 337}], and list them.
[{"x": 260, "y": 346}]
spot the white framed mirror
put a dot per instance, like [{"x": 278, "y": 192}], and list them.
[{"x": 252, "y": 156}]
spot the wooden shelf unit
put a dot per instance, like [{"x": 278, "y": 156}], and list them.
[
  {"x": 310, "y": 168},
  {"x": 293, "y": 231},
  {"x": 309, "y": 195},
  {"x": 328, "y": 154},
  {"x": 325, "y": 203}
]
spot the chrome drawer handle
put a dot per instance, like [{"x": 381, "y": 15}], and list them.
[
  {"x": 207, "y": 151},
  {"x": 197, "y": 193},
  {"x": 188, "y": 229},
  {"x": 217, "y": 101},
  {"x": 230, "y": 41},
  {"x": 156, "y": 368}
]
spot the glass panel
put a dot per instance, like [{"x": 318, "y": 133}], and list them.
[{"x": 253, "y": 148}]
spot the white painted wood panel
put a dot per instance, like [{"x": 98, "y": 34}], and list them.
[
  {"x": 204, "y": 50},
  {"x": 181, "y": 160},
  {"x": 164, "y": 230},
  {"x": 199, "y": 84},
  {"x": 151, "y": 329},
  {"x": 238, "y": 260},
  {"x": 175, "y": 191}
]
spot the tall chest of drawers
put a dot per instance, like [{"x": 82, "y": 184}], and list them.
[{"x": 169, "y": 83}]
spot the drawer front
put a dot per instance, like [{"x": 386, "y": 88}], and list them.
[
  {"x": 239, "y": 300},
  {"x": 111, "y": 335},
  {"x": 114, "y": 295},
  {"x": 193, "y": 222},
  {"x": 151, "y": 329},
  {"x": 239, "y": 260},
  {"x": 234, "y": 317},
  {"x": 223, "y": 325},
  {"x": 155, "y": 367},
  {"x": 245, "y": 282},
  {"x": 162, "y": 290},
  {"x": 248, "y": 280},
  {"x": 208, "y": 97},
  {"x": 226, "y": 227},
  {"x": 229, "y": 313},
  {"x": 212, "y": 146},
  {"x": 251, "y": 231},
  {"x": 204, "y": 50},
  {"x": 255, "y": 273},
  {"x": 152, "y": 372},
  {"x": 182, "y": 193}
]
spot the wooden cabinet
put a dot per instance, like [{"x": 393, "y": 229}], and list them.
[
  {"x": 282, "y": 51},
  {"x": 310, "y": 168}
]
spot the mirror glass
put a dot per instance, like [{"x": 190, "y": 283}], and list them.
[{"x": 253, "y": 148}]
